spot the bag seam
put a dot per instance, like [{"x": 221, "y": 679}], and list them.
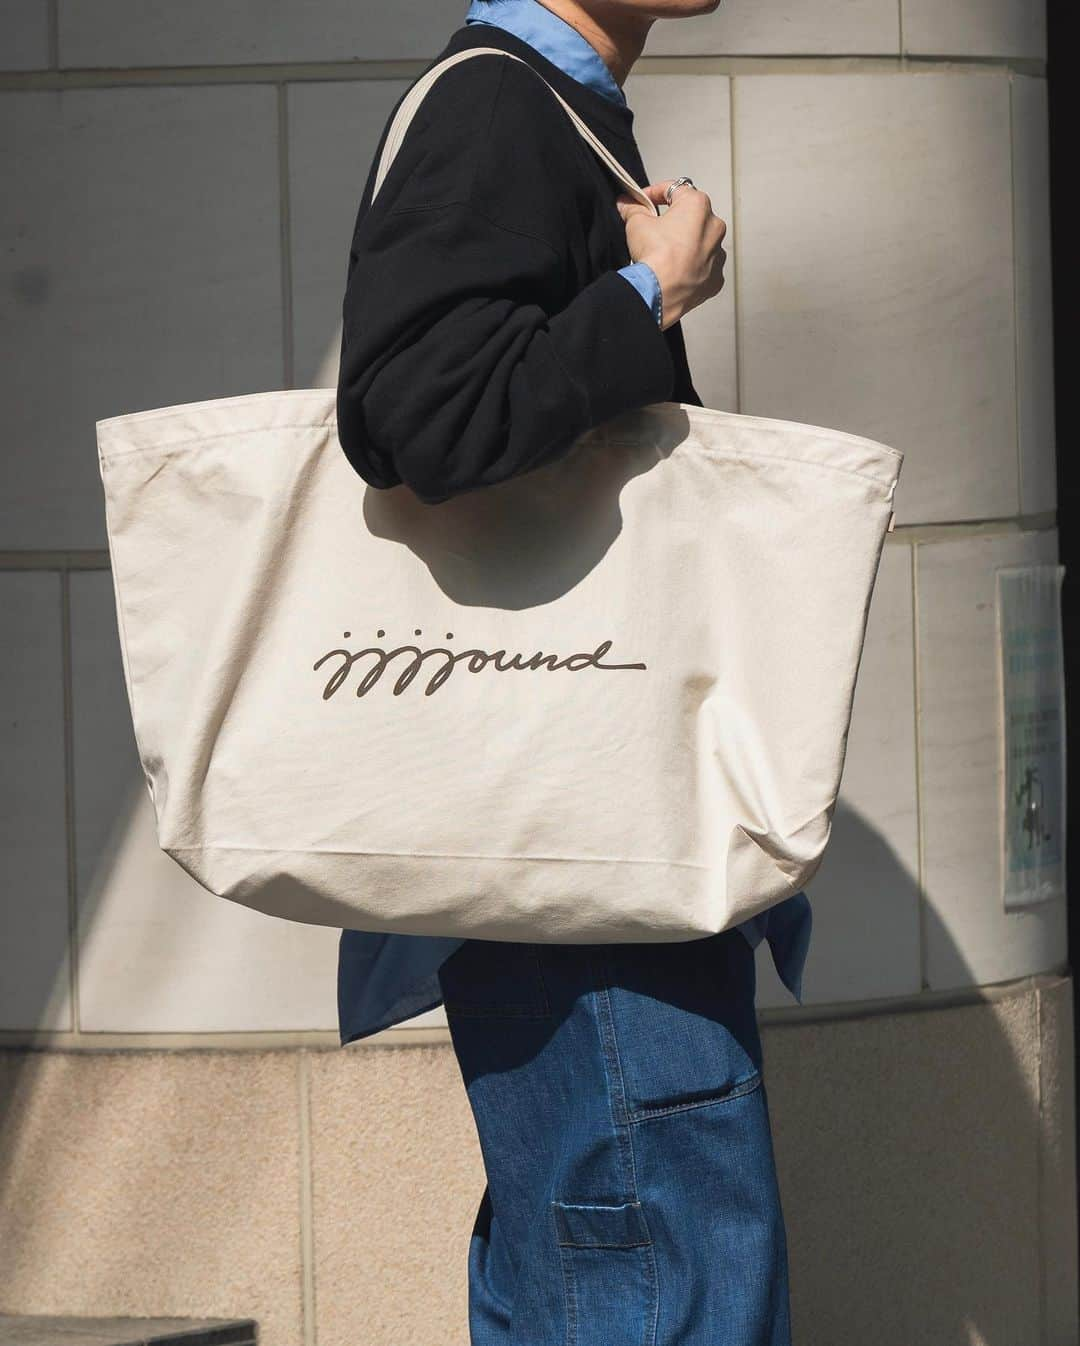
[
  {"x": 611, "y": 440},
  {"x": 736, "y": 456},
  {"x": 446, "y": 855},
  {"x": 666, "y": 409}
]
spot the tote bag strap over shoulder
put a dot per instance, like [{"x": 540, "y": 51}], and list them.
[{"x": 412, "y": 100}]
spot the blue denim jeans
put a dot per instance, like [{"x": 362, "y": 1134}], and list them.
[{"x": 619, "y": 1099}]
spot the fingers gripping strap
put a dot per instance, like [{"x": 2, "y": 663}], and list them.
[{"x": 412, "y": 100}]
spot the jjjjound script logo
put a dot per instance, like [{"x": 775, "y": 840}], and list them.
[{"x": 375, "y": 660}]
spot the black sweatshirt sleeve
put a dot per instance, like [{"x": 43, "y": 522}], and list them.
[{"x": 454, "y": 372}]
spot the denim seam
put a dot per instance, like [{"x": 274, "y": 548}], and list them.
[
  {"x": 613, "y": 1066},
  {"x": 569, "y": 1293},
  {"x": 651, "y": 1339},
  {"x": 737, "y": 1091},
  {"x": 606, "y": 1015}
]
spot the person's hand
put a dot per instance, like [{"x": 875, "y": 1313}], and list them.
[{"x": 682, "y": 245}]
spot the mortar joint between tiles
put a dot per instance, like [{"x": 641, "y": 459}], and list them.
[
  {"x": 285, "y": 236},
  {"x": 920, "y": 840},
  {"x": 275, "y": 73},
  {"x": 52, "y": 21},
  {"x": 307, "y": 1230},
  {"x": 1017, "y": 419},
  {"x": 70, "y": 870},
  {"x": 735, "y": 232}
]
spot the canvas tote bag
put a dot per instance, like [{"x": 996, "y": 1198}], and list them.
[{"x": 606, "y": 700}]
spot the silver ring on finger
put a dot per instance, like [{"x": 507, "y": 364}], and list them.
[{"x": 678, "y": 182}]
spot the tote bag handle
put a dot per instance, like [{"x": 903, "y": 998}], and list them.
[{"x": 412, "y": 100}]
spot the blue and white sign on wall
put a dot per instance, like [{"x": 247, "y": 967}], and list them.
[{"x": 1032, "y": 734}]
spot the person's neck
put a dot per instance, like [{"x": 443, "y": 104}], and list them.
[{"x": 617, "y": 37}]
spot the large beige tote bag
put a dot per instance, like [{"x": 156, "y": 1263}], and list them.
[{"x": 606, "y": 700}]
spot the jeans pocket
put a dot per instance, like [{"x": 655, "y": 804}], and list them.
[
  {"x": 609, "y": 1274},
  {"x": 494, "y": 977},
  {"x": 683, "y": 1022}
]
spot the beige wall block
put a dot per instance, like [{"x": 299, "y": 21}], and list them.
[
  {"x": 397, "y": 1179},
  {"x": 150, "y": 1183},
  {"x": 239, "y": 32},
  {"x": 682, "y": 124},
  {"x": 158, "y": 953},
  {"x": 865, "y": 939},
  {"x": 33, "y": 831},
  {"x": 908, "y": 1152},
  {"x": 24, "y": 35},
  {"x": 970, "y": 938},
  {"x": 975, "y": 27},
  {"x": 1057, "y": 1166},
  {"x": 334, "y": 130},
  {"x": 143, "y": 247},
  {"x": 746, "y": 28},
  {"x": 874, "y": 257},
  {"x": 1034, "y": 296}
]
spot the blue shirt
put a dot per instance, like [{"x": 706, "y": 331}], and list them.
[{"x": 384, "y": 979}]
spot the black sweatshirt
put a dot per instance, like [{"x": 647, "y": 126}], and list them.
[{"x": 485, "y": 327}]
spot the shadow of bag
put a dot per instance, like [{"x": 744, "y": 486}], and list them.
[{"x": 606, "y": 700}]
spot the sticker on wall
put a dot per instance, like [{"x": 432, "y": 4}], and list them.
[{"x": 1032, "y": 734}]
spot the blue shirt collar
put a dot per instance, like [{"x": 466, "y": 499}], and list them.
[{"x": 552, "y": 37}]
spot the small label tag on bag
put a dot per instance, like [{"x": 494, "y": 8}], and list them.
[{"x": 892, "y": 520}]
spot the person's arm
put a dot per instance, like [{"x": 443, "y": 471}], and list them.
[{"x": 460, "y": 366}]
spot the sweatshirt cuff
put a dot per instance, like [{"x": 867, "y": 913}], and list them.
[
  {"x": 643, "y": 278},
  {"x": 610, "y": 346}
]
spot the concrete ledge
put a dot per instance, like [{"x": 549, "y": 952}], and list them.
[{"x": 48, "y": 1330}]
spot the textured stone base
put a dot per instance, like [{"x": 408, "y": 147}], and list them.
[{"x": 926, "y": 1157}]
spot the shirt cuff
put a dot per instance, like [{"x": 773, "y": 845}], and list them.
[{"x": 643, "y": 278}]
